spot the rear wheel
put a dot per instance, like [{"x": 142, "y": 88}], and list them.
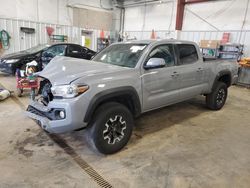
[
  {"x": 111, "y": 128},
  {"x": 217, "y": 98}
]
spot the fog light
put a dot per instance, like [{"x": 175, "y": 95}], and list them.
[{"x": 62, "y": 114}]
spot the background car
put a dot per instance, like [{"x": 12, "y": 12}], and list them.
[{"x": 42, "y": 54}]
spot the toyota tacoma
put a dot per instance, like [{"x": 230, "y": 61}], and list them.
[{"x": 121, "y": 82}]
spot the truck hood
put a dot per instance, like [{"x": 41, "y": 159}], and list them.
[{"x": 64, "y": 70}]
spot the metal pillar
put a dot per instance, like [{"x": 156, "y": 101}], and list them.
[
  {"x": 180, "y": 11},
  {"x": 179, "y": 14}
]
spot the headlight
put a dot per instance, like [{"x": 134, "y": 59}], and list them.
[
  {"x": 68, "y": 91},
  {"x": 11, "y": 60}
]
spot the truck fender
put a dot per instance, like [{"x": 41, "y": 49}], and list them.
[
  {"x": 221, "y": 74},
  {"x": 110, "y": 94}
]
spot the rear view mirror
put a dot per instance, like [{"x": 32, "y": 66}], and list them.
[{"x": 153, "y": 63}]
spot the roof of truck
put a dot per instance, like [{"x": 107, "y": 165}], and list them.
[{"x": 159, "y": 40}]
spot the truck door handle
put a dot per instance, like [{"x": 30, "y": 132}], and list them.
[{"x": 199, "y": 69}]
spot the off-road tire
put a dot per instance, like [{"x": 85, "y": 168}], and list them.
[
  {"x": 217, "y": 98},
  {"x": 112, "y": 114}
]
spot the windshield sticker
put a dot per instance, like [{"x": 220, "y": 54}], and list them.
[{"x": 135, "y": 49}]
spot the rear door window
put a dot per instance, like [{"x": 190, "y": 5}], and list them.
[
  {"x": 75, "y": 51},
  {"x": 187, "y": 54}
]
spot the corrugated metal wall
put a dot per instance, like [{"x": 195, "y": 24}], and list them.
[
  {"x": 236, "y": 36},
  {"x": 21, "y": 41},
  {"x": 140, "y": 35}
]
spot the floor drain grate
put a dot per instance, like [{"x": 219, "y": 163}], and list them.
[{"x": 83, "y": 164}]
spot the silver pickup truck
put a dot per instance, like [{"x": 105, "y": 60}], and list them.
[{"x": 123, "y": 81}]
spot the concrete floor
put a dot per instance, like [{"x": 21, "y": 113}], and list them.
[{"x": 184, "y": 145}]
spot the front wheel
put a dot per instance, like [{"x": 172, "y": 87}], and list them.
[
  {"x": 217, "y": 98},
  {"x": 111, "y": 128}
]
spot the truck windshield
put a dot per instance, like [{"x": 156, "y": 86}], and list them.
[{"x": 125, "y": 55}]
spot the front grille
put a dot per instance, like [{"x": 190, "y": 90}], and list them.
[{"x": 35, "y": 111}]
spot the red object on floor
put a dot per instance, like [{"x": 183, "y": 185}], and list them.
[
  {"x": 25, "y": 83},
  {"x": 153, "y": 35}
]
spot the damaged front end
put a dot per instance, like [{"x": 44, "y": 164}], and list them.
[
  {"x": 40, "y": 110},
  {"x": 58, "y": 108},
  {"x": 61, "y": 105},
  {"x": 45, "y": 91}
]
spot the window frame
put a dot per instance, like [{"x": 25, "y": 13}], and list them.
[
  {"x": 178, "y": 54},
  {"x": 174, "y": 54},
  {"x": 74, "y": 45}
]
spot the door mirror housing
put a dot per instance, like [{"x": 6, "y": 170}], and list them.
[{"x": 153, "y": 63}]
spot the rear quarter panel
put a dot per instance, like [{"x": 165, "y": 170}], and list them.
[{"x": 216, "y": 68}]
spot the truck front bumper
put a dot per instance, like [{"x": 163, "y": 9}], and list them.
[{"x": 48, "y": 117}]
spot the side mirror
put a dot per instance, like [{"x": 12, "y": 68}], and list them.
[{"x": 155, "y": 63}]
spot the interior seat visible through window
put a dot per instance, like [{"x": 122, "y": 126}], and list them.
[{"x": 187, "y": 53}]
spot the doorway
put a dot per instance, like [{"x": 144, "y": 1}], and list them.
[{"x": 87, "y": 39}]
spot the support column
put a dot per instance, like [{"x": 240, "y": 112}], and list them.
[
  {"x": 179, "y": 14},
  {"x": 180, "y": 11}
]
